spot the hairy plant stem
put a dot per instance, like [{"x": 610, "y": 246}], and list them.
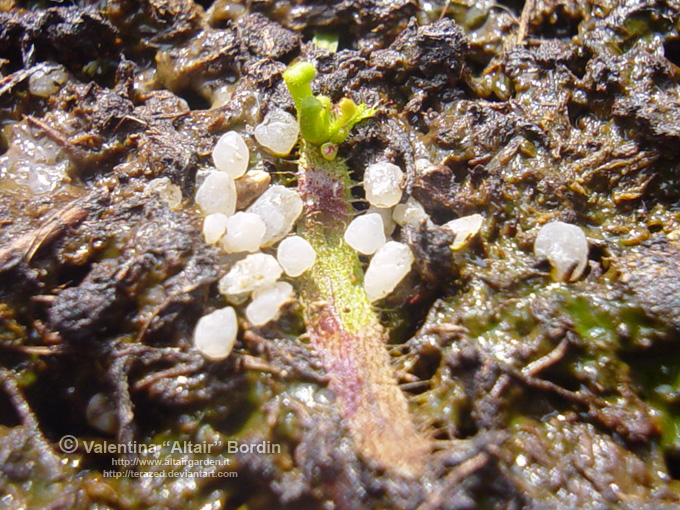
[{"x": 344, "y": 328}]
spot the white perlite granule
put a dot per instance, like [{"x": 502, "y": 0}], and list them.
[
  {"x": 409, "y": 212},
  {"x": 382, "y": 183},
  {"x": 386, "y": 214},
  {"x": 231, "y": 154},
  {"x": 244, "y": 232},
  {"x": 566, "y": 248},
  {"x": 101, "y": 414},
  {"x": 166, "y": 190},
  {"x": 33, "y": 160},
  {"x": 217, "y": 194},
  {"x": 214, "y": 227},
  {"x": 279, "y": 208},
  {"x": 295, "y": 255},
  {"x": 464, "y": 228},
  {"x": 254, "y": 272},
  {"x": 387, "y": 268},
  {"x": 278, "y": 132},
  {"x": 215, "y": 333},
  {"x": 266, "y": 304},
  {"x": 366, "y": 233}
]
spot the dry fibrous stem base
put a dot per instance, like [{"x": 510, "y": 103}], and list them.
[{"x": 344, "y": 327}]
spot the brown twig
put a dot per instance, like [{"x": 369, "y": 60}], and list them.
[
  {"x": 524, "y": 20},
  {"x": 554, "y": 356},
  {"x": 453, "y": 479},
  {"x": 38, "y": 350},
  {"x": 249, "y": 362},
  {"x": 161, "y": 307},
  {"x": 176, "y": 371},
  {"x": 76, "y": 154},
  {"x": 27, "y": 417},
  {"x": 25, "y": 247}
]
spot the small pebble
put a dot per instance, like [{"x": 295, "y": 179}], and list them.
[
  {"x": 214, "y": 227},
  {"x": 217, "y": 194},
  {"x": 423, "y": 165},
  {"x": 251, "y": 186},
  {"x": 382, "y": 183},
  {"x": 386, "y": 214},
  {"x": 279, "y": 207},
  {"x": 101, "y": 414},
  {"x": 366, "y": 233},
  {"x": 410, "y": 212},
  {"x": 244, "y": 233},
  {"x": 238, "y": 299},
  {"x": 202, "y": 173},
  {"x": 215, "y": 333},
  {"x": 278, "y": 132},
  {"x": 295, "y": 255},
  {"x": 390, "y": 264},
  {"x": 566, "y": 248},
  {"x": 46, "y": 80},
  {"x": 464, "y": 228},
  {"x": 266, "y": 304},
  {"x": 231, "y": 154},
  {"x": 256, "y": 271},
  {"x": 166, "y": 190}
]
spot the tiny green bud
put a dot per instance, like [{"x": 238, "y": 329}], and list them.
[
  {"x": 345, "y": 110},
  {"x": 329, "y": 151}
]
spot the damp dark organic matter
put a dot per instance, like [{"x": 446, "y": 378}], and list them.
[{"x": 484, "y": 379}]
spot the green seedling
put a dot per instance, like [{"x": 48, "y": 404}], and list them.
[
  {"x": 321, "y": 122},
  {"x": 341, "y": 322}
]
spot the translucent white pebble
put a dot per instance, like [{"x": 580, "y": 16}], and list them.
[
  {"x": 566, "y": 248},
  {"x": 278, "y": 132},
  {"x": 387, "y": 268},
  {"x": 464, "y": 228},
  {"x": 217, "y": 194},
  {"x": 366, "y": 233},
  {"x": 214, "y": 227},
  {"x": 33, "y": 160},
  {"x": 386, "y": 214},
  {"x": 295, "y": 255},
  {"x": 382, "y": 183},
  {"x": 166, "y": 190},
  {"x": 254, "y": 272},
  {"x": 244, "y": 233},
  {"x": 410, "y": 212},
  {"x": 231, "y": 154},
  {"x": 215, "y": 333},
  {"x": 278, "y": 207},
  {"x": 101, "y": 414},
  {"x": 423, "y": 165},
  {"x": 46, "y": 80},
  {"x": 267, "y": 303},
  {"x": 202, "y": 173}
]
